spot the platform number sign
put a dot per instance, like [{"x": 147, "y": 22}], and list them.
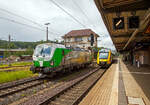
[{"x": 92, "y": 39}]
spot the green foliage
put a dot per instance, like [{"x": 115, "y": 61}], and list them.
[
  {"x": 23, "y": 45},
  {"x": 29, "y": 51},
  {"x": 17, "y": 44},
  {"x": 11, "y": 76},
  {"x": 21, "y": 63},
  {"x": 6, "y": 54}
]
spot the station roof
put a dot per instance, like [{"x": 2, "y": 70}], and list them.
[{"x": 126, "y": 39}]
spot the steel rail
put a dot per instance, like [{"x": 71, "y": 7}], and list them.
[
  {"x": 18, "y": 82},
  {"x": 46, "y": 97},
  {"x": 14, "y": 66}
]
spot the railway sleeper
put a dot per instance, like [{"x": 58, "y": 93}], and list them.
[
  {"x": 72, "y": 94},
  {"x": 64, "y": 101},
  {"x": 18, "y": 89},
  {"x": 71, "y": 97},
  {"x": 78, "y": 90},
  {"x": 80, "y": 87},
  {"x": 66, "y": 97},
  {"x": 74, "y": 91},
  {"x": 55, "y": 103}
]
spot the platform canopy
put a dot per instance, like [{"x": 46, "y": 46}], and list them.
[{"x": 127, "y": 21}]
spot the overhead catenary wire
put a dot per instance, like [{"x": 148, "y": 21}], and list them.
[
  {"x": 82, "y": 11},
  {"x": 27, "y": 19},
  {"x": 60, "y": 7},
  {"x": 14, "y": 21},
  {"x": 1, "y": 9}
]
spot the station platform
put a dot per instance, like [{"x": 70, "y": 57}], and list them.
[{"x": 122, "y": 84}]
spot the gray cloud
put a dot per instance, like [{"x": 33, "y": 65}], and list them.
[{"x": 42, "y": 11}]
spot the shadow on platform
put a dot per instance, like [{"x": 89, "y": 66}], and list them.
[{"x": 142, "y": 77}]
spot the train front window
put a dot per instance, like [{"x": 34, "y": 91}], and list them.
[
  {"x": 103, "y": 55},
  {"x": 42, "y": 51}
]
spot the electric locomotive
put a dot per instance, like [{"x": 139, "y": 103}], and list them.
[
  {"x": 104, "y": 58},
  {"x": 50, "y": 57}
]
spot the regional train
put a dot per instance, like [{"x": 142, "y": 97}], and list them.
[
  {"x": 49, "y": 58},
  {"x": 104, "y": 58}
]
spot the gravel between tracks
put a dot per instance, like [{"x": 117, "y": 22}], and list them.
[
  {"x": 74, "y": 95},
  {"x": 25, "y": 94},
  {"x": 9, "y": 92},
  {"x": 18, "y": 82},
  {"x": 44, "y": 97}
]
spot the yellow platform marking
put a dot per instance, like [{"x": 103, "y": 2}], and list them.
[{"x": 114, "y": 93}]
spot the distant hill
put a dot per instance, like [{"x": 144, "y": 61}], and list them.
[{"x": 19, "y": 44}]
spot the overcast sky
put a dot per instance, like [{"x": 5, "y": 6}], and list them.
[{"x": 24, "y": 19}]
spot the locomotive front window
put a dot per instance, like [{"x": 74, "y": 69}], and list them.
[
  {"x": 42, "y": 51},
  {"x": 103, "y": 55},
  {"x": 46, "y": 51}
]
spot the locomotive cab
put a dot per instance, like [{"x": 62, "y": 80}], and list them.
[
  {"x": 42, "y": 53},
  {"x": 104, "y": 58},
  {"x": 43, "y": 58}
]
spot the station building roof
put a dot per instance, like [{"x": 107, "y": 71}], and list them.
[
  {"x": 127, "y": 21},
  {"x": 80, "y": 33}
]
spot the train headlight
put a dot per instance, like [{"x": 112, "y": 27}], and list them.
[{"x": 34, "y": 58}]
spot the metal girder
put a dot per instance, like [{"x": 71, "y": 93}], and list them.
[
  {"x": 121, "y": 36},
  {"x": 120, "y": 43},
  {"x": 119, "y": 3},
  {"x": 144, "y": 24}
]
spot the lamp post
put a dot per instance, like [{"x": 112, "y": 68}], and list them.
[{"x": 47, "y": 31}]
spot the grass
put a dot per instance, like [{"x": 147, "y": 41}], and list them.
[
  {"x": 16, "y": 68},
  {"x": 21, "y": 63},
  {"x": 12, "y": 76},
  {"x": 17, "y": 64}
]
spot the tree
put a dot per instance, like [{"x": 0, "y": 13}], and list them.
[{"x": 29, "y": 51}]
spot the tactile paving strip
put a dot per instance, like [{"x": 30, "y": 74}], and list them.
[{"x": 122, "y": 100}]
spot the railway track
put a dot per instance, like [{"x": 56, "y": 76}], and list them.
[
  {"x": 14, "y": 66},
  {"x": 69, "y": 93},
  {"x": 18, "y": 82},
  {"x": 13, "y": 91},
  {"x": 12, "y": 70},
  {"x": 11, "y": 88}
]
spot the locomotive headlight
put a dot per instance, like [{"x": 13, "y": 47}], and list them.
[
  {"x": 34, "y": 58},
  {"x": 47, "y": 58}
]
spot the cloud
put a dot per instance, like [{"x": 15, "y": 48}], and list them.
[{"x": 43, "y": 11}]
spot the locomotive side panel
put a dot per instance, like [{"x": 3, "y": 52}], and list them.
[{"x": 48, "y": 58}]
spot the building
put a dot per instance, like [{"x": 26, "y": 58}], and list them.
[
  {"x": 11, "y": 51},
  {"x": 80, "y": 38}
]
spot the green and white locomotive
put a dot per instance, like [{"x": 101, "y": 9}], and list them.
[{"x": 50, "y": 57}]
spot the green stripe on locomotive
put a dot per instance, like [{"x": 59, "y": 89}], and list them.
[{"x": 57, "y": 58}]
